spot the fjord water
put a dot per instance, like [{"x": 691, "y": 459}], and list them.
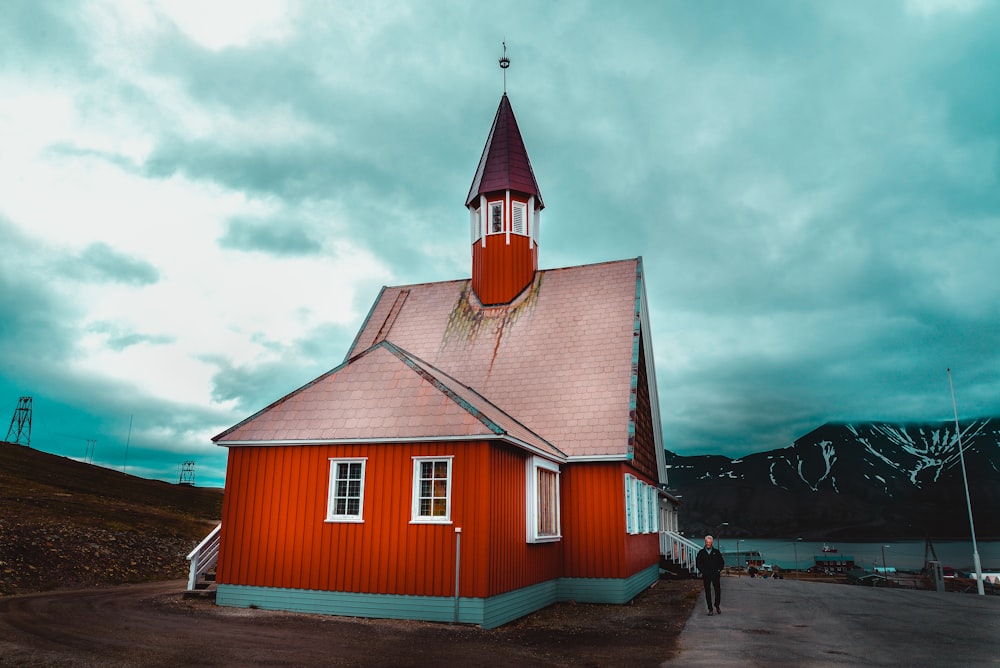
[{"x": 904, "y": 555}]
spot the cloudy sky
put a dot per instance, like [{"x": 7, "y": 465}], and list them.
[{"x": 199, "y": 201}]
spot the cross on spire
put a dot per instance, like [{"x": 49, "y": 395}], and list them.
[{"x": 504, "y": 64}]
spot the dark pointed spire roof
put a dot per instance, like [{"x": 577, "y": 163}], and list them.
[{"x": 504, "y": 164}]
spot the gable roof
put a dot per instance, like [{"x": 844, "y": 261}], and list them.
[
  {"x": 555, "y": 371},
  {"x": 563, "y": 357},
  {"x": 504, "y": 164},
  {"x": 383, "y": 395}
]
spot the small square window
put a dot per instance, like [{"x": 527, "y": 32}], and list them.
[
  {"x": 346, "y": 495},
  {"x": 431, "y": 490}
]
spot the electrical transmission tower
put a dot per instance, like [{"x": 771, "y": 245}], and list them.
[
  {"x": 187, "y": 474},
  {"x": 22, "y": 420}
]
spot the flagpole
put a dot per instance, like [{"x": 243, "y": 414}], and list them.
[{"x": 968, "y": 501}]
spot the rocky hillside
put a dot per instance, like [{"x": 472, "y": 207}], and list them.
[
  {"x": 871, "y": 480},
  {"x": 64, "y": 523}
]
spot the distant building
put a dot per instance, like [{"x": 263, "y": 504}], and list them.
[
  {"x": 744, "y": 559},
  {"x": 834, "y": 562}
]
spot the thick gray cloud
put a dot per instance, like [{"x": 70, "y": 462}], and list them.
[
  {"x": 269, "y": 236},
  {"x": 100, "y": 262}
]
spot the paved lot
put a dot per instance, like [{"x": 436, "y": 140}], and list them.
[{"x": 789, "y": 623}]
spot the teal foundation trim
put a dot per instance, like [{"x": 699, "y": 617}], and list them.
[
  {"x": 486, "y": 612},
  {"x": 607, "y": 590}
]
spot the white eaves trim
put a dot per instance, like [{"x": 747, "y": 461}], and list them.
[{"x": 423, "y": 439}]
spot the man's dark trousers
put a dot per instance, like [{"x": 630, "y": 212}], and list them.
[{"x": 712, "y": 581}]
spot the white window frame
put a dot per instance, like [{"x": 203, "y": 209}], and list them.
[
  {"x": 641, "y": 501},
  {"x": 519, "y": 210},
  {"x": 415, "y": 516},
  {"x": 629, "y": 504},
  {"x": 475, "y": 224},
  {"x": 489, "y": 217},
  {"x": 331, "y": 503},
  {"x": 533, "y": 505},
  {"x": 642, "y": 497}
]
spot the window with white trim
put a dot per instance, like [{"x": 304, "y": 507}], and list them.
[
  {"x": 543, "y": 520},
  {"x": 495, "y": 222},
  {"x": 431, "y": 490},
  {"x": 476, "y": 223},
  {"x": 346, "y": 496},
  {"x": 641, "y": 501},
  {"x": 518, "y": 217}
]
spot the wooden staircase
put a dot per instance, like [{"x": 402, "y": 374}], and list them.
[{"x": 203, "y": 558}]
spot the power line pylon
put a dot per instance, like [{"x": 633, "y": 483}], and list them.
[
  {"x": 22, "y": 420},
  {"x": 187, "y": 474}
]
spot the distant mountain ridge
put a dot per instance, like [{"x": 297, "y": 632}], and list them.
[{"x": 849, "y": 480}]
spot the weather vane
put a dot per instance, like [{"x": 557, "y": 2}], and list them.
[{"x": 504, "y": 64}]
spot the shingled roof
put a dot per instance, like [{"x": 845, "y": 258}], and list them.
[
  {"x": 504, "y": 164},
  {"x": 383, "y": 395},
  {"x": 554, "y": 371}
]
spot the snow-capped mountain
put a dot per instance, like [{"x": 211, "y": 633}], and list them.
[{"x": 850, "y": 480}]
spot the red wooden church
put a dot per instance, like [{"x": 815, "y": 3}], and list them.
[{"x": 489, "y": 446}]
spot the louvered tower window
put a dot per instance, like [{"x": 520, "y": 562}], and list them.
[{"x": 519, "y": 217}]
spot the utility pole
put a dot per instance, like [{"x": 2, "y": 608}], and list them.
[
  {"x": 128, "y": 440},
  {"x": 968, "y": 501}
]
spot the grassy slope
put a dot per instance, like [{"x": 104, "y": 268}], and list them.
[{"x": 64, "y": 523}]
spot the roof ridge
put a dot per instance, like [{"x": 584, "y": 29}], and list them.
[
  {"x": 540, "y": 271},
  {"x": 430, "y": 372}
]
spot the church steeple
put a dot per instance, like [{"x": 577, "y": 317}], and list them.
[{"x": 504, "y": 203}]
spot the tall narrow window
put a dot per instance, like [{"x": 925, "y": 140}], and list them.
[
  {"x": 475, "y": 223},
  {"x": 347, "y": 490},
  {"x": 431, "y": 489},
  {"x": 543, "y": 501},
  {"x": 496, "y": 217},
  {"x": 641, "y": 500},
  {"x": 629, "y": 504},
  {"x": 518, "y": 217}
]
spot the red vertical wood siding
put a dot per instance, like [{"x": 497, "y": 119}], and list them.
[
  {"x": 593, "y": 520},
  {"x": 274, "y": 533},
  {"x": 595, "y": 541},
  {"x": 500, "y": 271},
  {"x": 513, "y": 562}
]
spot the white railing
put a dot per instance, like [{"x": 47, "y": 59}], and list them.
[
  {"x": 204, "y": 557},
  {"x": 680, "y": 549}
]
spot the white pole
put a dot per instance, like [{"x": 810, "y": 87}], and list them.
[
  {"x": 968, "y": 501},
  {"x": 127, "y": 441},
  {"x": 458, "y": 562}
]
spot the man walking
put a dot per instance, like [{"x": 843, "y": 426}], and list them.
[{"x": 710, "y": 564}]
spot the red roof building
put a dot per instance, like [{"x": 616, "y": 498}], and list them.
[{"x": 489, "y": 446}]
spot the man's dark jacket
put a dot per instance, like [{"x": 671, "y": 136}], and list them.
[{"x": 709, "y": 562}]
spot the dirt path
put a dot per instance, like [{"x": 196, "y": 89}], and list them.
[{"x": 153, "y": 625}]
